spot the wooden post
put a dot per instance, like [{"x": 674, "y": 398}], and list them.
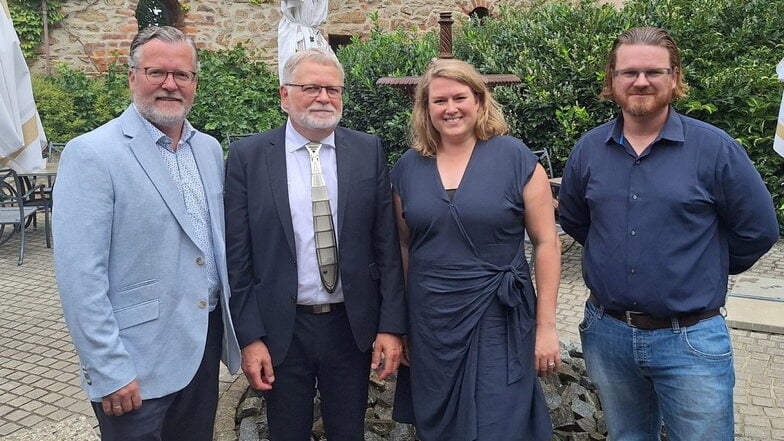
[
  {"x": 45, "y": 19},
  {"x": 445, "y": 41}
]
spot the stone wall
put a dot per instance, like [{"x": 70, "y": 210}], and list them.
[{"x": 97, "y": 32}]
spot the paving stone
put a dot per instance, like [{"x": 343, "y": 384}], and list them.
[{"x": 37, "y": 357}]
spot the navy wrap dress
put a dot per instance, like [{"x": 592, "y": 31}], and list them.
[{"x": 471, "y": 301}]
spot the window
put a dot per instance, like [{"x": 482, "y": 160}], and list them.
[
  {"x": 477, "y": 15},
  {"x": 158, "y": 13},
  {"x": 336, "y": 41}
]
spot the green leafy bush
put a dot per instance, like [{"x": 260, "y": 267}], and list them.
[
  {"x": 383, "y": 110},
  {"x": 730, "y": 49},
  {"x": 558, "y": 49},
  {"x": 71, "y": 103},
  {"x": 235, "y": 95}
]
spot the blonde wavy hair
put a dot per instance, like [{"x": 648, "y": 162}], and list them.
[{"x": 423, "y": 136}]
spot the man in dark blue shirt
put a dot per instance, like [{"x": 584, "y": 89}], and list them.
[{"x": 665, "y": 207}]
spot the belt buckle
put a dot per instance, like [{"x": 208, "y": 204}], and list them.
[
  {"x": 629, "y": 315},
  {"x": 322, "y": 309}
]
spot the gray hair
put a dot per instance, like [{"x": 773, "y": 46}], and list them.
[
  {"x": 323, "y": 56},
  {"x": 167, "y": 34}
]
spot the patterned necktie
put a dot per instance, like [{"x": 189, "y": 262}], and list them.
[{"x": 323, "y": 225}]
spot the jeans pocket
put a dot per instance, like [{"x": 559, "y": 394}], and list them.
[
  {"x": 709, "y": 338},
  {"x": 590, "y": 316}
]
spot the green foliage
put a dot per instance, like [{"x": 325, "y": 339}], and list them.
[
  {"x": 70, "y": 103},
  {"x": 558, "y": 50},
  {"x": 56, "y": 108},
  {"x": 383, "y": 110},
  {"x": 730, "y": 49},
  {"x": 28, "y": 22},
  {"x": 235, "y": 95}
]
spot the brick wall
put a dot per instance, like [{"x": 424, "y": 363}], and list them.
[{"x": 98, "y": 32}]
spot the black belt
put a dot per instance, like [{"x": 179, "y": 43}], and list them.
[
  {"x": 642, "y": 320},
  {"x": 324, "y": 308}
]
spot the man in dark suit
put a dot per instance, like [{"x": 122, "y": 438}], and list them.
[{"x": 305, "y": 322}]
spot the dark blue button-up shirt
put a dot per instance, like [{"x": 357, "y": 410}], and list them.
[{"x": 662, "y": 231}]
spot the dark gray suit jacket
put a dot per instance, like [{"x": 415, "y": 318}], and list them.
[{"x": 260, "y": 241}]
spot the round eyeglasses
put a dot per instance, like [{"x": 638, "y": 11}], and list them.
[{"x": 157, "y": 76}]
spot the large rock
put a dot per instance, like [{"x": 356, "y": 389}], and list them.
[{"x": 570, "y": 395}]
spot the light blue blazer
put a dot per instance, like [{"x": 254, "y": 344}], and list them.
[{"x": 131, "y": 278}]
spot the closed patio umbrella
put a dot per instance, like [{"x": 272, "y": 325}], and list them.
[
  {"x": 778, "y": 139},
  {"x": 298, "y": 28},
  {"x": 21, "y": 134}
]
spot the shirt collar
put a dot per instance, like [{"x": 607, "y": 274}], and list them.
[
  {"x": 161, "y": 138},
  {"x": 295, "y": 141},
  {"x": 672, "y": 130}
]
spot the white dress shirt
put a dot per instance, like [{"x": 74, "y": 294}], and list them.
[{"x": 310, "y": 291}]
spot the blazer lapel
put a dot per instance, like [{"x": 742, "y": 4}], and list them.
[
  {"x": 146, "y": 152},
  {"x": 343, "y": 159},
  {"x": 278, "y": 181}
]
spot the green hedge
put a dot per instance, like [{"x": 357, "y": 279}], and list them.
[
  {"x": 730, "y": 50},
  {"x": 235, "y": 95}
]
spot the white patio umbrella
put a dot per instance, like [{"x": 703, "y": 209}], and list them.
[
  {"x": 778, "y": 138},
  {"x": 298, "y": 28},
  {"x": 21, "y": 134}
]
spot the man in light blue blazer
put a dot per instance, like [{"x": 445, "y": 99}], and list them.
[{"x": 140, "y": 254}]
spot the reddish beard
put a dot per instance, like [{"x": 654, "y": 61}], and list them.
[{"x": 644, "y": 101}]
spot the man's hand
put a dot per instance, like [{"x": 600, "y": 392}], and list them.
[
  {"x": 126, "y": 399},
  {"x": 257, "y": 365},
  {"x": 386, "y": 354}
]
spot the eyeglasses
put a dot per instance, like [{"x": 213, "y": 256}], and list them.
[
  {"x": 157, "y": 76},
  {"x": 651, "y": 74},
  {"x": 314, "y": 90}
]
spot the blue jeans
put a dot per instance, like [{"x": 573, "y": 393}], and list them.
[{"x": 681, "y": 376}]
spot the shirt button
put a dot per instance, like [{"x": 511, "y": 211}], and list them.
[
  {"x": 634, "y": 233},
  {"x": 633, "y": 271},
  {"x": 634, "y": 197},
  {"x": 202, "y": 304},
  {"x": 637, "y": 162},
  {"x": 199, "y": 260}
]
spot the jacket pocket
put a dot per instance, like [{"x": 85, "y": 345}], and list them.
[{"x": 137, "y": 314}]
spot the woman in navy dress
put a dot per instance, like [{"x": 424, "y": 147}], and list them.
[{"x": 465, "y": 195}]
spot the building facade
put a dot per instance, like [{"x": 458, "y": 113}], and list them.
[{"x": 96, "y": 33}]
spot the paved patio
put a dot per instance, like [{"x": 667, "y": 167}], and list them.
[{"x": 40, "y": 397}]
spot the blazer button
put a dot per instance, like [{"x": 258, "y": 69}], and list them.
[
  {"x": 200, "y": 260},
  {"x": 202, "y": 304}
]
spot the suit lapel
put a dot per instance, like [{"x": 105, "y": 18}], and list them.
[
  {"x": 344, "y": 164},
  {"x": 278, "y": 181},
  {"x": 146, "y": 152}
]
